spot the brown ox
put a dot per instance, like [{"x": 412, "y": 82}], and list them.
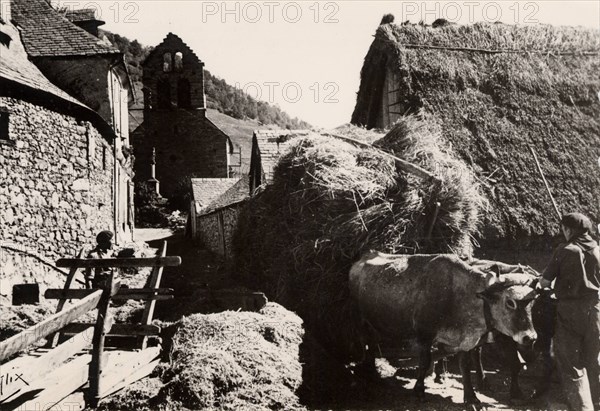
[{"x": 421, "y": 301}]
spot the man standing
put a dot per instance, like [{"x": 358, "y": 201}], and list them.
[{"x": 575, "y": 266}]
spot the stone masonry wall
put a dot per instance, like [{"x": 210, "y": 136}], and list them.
[
  {"x": 216, "y": 236},
  {"x": 55, "y": 191}
]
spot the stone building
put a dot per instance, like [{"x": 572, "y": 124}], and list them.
[
  {"x": 267, "y": 147},
  {"x": 60, "y": 161},
  {"x": 91, "y": 70},
  {"x": 209, "y": 197},
  {"x": 185, "y": 142}
]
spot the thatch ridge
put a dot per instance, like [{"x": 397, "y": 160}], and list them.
[{"x": 493, "y": 107}]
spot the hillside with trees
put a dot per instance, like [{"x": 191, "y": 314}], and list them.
[{"x": 220, "y": 96}]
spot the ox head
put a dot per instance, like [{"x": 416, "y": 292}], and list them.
[{"x": 510, "y": 299}]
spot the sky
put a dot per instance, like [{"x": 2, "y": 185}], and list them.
[{"x": 306, "y": 56}]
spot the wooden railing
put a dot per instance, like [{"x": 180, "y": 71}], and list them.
[{"x": 48, "y": 371}]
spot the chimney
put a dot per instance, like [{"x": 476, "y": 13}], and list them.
[
  {"x": 5, "y": 11},
  {"x": 86, "y": 19}
]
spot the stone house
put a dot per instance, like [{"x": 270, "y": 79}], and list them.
[
  {"x": 61, "y": 170},
  {"x": 267, "y": 147},
  {"x": 207, "y": 219},
  {"x": 91, "y": 70},
  {"x": 176, "y": 135}
]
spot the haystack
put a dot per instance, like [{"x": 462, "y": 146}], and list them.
[
  {"x": 332, "y": 200},
  {"x": 227, "y": 361},
  {"x": 497, "y": 91}
]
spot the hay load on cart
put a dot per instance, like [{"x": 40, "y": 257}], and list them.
[{"x": 332, "y": 198}]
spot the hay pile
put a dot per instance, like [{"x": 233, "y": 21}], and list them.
[
  {"x": 330, "y": 201},
  {"x": 228, "y": 361}
]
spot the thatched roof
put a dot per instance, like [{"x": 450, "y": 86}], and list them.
[{"x": 497, "y": 91}]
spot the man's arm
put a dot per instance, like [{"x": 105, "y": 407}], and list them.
[{"x": 552, "y": 269}]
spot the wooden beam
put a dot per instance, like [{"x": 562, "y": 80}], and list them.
[
  {"x": 134, "y": 367},
  {"x": 400, "y": 163},
  {"x": 21, "y": 372},
  {"x": 57, "y": 385},
  {"x": 117, "y": 330},
  {"x": 164, "y": 261},
  {"x": 122, "y": 294},
  {"x": 52, "y": 324},
  {"x": 143, "y": 297},
  {"x": 154, "y": 283}
]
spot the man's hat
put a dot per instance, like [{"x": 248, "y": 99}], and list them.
[
  {"x": 577, "y": 221},
  {"x": 104, "y": 237}
]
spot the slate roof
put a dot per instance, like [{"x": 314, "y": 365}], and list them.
[
  {"x": 210, "y": 194},
  {"x": 271, "y": 145},
  {"x": 82, "y": 15},
  {"x": 47, "y": 33},
  {"x": 16, "y": 67}
]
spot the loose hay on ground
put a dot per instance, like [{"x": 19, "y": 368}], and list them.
[{"x": 230, "y": 360}]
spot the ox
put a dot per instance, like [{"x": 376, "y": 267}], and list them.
[
  {"x": 422, "y": 301},
  {"x": 543, "y": 316}
]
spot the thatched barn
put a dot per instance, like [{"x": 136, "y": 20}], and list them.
[{"x": 499, "y": 93}]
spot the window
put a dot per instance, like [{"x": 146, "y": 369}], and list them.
[
  {"x": 179, "y": 61},
  {"x": 4, "y": 126},
  {"x": 167, "y": 63},
  {"x": 163, "y": 89},
  {"x": 183, "y": 93}
]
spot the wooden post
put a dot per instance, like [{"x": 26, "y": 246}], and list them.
[
  {"x": 110, "y": 287},
  {"x": 153, "y": 282},
  {"x": 433, "y": 219},
  {"x": 537, "y": 163}
]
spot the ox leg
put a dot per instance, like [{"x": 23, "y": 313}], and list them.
[
  {"x": 482, "y": 382},
  {"x": 465, "y": 367},
  {"x": 424, "y": 366},
  {"x": 441, "y": 370},
  {"x": 515, "y": 369}
]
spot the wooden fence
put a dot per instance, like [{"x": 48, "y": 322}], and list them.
[{"x": 45, "y": 376}]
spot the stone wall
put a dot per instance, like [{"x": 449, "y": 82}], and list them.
[
  {"x": 55, "y": 189},
  {"x": 215, "y": 230}
]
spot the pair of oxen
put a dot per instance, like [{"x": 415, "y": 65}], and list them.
[{"x": 434, "y": 306}]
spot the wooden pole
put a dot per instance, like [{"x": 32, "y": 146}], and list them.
[
  {"x": 402, "y": 164},
  {"x": 545, "y": 183},
  {"x": 110, "y": 287},
  {"x": 433, "y": 219},
  {"x": 171, "y": 261},
  {"x": 153, "y": 283}
]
